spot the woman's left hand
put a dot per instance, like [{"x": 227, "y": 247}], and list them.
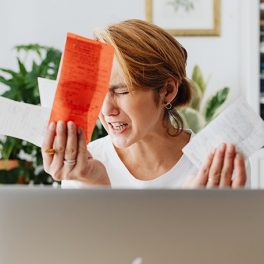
[{"x": 217, "y": 170}]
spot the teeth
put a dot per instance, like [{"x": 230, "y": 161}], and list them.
[{"x": 118, "y": 126}]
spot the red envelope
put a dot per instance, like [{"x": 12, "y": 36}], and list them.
[{"x": 83, "y": 83}]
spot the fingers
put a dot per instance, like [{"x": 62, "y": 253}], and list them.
[
  {"x": 83, "y": 153},
  {"x": 225, "y": 162},
  {"x": 47, "y": 145},
  {"x": 216, "y": 167},
  {"x": 71, "y": 147},
  {"x": 202, "y": 176},
  {"x": 71, "y": 155},
  {"x": 228, "y": 166},
  {"x": 240, "y": 171},
  {"x": 59, "y": 145}
]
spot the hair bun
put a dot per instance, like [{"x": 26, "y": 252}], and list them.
[{"x": 184, "y": 94}]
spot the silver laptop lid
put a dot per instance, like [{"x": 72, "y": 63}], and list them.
[{"x": 42, "y": 225}]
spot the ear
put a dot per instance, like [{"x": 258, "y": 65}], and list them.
[{"x": 169, "y": 91}]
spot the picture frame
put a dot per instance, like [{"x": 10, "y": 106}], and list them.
[{"x": 185, "y": 17}]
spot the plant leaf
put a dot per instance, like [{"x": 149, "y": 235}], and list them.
[
  {"x": 198, "y": 78},
  {"x": 30, "y": 48},
  {"x": 12, "y": 73},
  {"x": 196, "y": 96},
  {"x": 5, "y": 81},
  {"x": 192, "y": 119},
  {"x": 22, "y": 67},
  {"x": 214, "y": 102}
]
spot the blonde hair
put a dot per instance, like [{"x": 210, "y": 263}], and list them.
[{"x": 148, "y": 56}]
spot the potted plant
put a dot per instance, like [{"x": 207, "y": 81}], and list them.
[
  {"x": 22, "y": 86},
  {"x": 196, "y": 116}
]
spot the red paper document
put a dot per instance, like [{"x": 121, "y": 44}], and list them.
[{"x": 83, "y": 82}]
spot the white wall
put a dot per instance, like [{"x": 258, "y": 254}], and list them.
[
  {"x": 47, "y": 21},
  {"x": 219, "y": 56}
]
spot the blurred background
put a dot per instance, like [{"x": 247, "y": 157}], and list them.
[{"x": 46, "y": 22}]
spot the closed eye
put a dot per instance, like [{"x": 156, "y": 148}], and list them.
[
  {"x": 121, "y": 92},
  {"x": 119, "y": 89}
]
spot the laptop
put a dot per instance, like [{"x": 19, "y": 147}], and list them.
[{"x": 48, "y": 225}]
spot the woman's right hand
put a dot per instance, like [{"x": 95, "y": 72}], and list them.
[
  {"x": 218, "y": 170},
  {"x": 65, "y": 156}
]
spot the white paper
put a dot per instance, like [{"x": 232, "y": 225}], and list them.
[
  {"x": 238, "y": 124},
  {"x": 23, "y": 121},
  {"x": 47, "y": 89}
]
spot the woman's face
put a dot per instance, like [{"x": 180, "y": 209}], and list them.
[{"x": 129, "y": 117}]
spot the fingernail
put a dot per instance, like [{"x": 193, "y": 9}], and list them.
[
  {"x": 60, "y": 125},
  {"x": 213, "y": 151},
  {"x": 51, "y": 126},
  {"x": 231, "y": 147},
  {"x": 70, "y": 125},
  {"x": 222, "y": 147}
]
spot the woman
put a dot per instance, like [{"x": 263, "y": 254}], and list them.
[{"x": 146, "y": 135}]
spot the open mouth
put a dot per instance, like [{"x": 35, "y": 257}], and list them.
[{"x": 118, "y": 126}]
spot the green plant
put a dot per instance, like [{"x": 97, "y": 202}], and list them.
[
  {"x": 196, "y": 116},
  {"x": 22, "y": 86},
  {"x": 38, "y": 61}
]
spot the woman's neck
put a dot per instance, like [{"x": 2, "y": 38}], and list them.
[{"x": 154, "y": 155}]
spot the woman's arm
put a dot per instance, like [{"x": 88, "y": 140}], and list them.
[{"x": 65, "y": 156}]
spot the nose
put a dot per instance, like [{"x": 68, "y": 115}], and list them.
[{"x": 109, "y": 107}]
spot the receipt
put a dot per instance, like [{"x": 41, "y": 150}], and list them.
[
  {"x": 237, "y": 124},
  {"x": 47, "y": 89},
  {"x": 83, "y": 82},
  {"x": 77, "y": 95},
  {"x": 24, "y": 121}
]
